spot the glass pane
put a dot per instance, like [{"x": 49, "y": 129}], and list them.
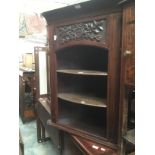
[{"x": 42, "y": 73}]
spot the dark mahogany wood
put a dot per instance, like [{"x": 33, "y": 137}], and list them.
[
  {"x": 128, "y": 61},
  {"x": 127, "y": 91},
  {"x": 92, "y": 148},
  {"x": 129, "y": 45},
  {"x": 68, "y": 146},
  {"x": 85, "y": 69},
  {"x": 86, "y": 8}
]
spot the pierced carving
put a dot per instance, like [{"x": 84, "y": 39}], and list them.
[{"x": 92, "y": 30}]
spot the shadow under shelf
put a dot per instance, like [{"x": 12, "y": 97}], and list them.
[{"x": 86, "y": 128}]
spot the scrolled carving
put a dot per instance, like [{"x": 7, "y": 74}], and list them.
[{"x": 92, "y": 30}]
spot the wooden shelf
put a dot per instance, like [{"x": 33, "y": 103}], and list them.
[
  {"x": 130, "y": 136},
  {"x": 84, "y": 134},
  {"x": 83, "y": 99},
  {"x": 87, "y": 128},
  {"x": 82, "y": 72}
]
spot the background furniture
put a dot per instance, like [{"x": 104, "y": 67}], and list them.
[
  {"x": 127, "y": 98},
  {"x": 26, "y": 94},
  {"x": 43, "y": 95}
]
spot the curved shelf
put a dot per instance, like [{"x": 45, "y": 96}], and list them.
[
  {"x": 83, "y": 99},
  {"x": 82, "y": 72}
]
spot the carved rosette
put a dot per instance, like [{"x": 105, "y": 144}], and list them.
[{"x": 92, "y": 30}]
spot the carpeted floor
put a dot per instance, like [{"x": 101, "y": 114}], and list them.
[{"x": 31, "y": 146}]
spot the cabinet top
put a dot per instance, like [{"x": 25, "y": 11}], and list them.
[{"x": 83, "y": 8}]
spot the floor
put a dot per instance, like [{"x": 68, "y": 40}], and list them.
[{"x": 29, "y": 137}]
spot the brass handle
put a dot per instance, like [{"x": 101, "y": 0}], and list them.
[{"x": 127, "y": 53}]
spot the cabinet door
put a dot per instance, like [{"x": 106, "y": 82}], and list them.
[
  {"x": 41, "y": 68},
  {"x": 129, "y": 44}
]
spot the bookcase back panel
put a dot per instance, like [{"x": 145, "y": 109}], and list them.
[
  {"x": 88, "y": 121},
  {"x": 82, "y": 57},
  {"x": 92, "y": 86}
]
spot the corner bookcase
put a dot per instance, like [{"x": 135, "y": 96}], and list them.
[
  {"x": 85, "y": 68},
  {"x": 82, "y": 88}
]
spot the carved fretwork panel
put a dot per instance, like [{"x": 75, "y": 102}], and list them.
[{"x": 91, "y": 30}]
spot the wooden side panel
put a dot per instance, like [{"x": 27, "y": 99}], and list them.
[
  {"x": 114, "y": 38},
  {"x": 127, "y": 67},
  {"x": 129, "y": 45}
]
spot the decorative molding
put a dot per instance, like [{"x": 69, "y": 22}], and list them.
[{"x": 92, "y": 30}]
